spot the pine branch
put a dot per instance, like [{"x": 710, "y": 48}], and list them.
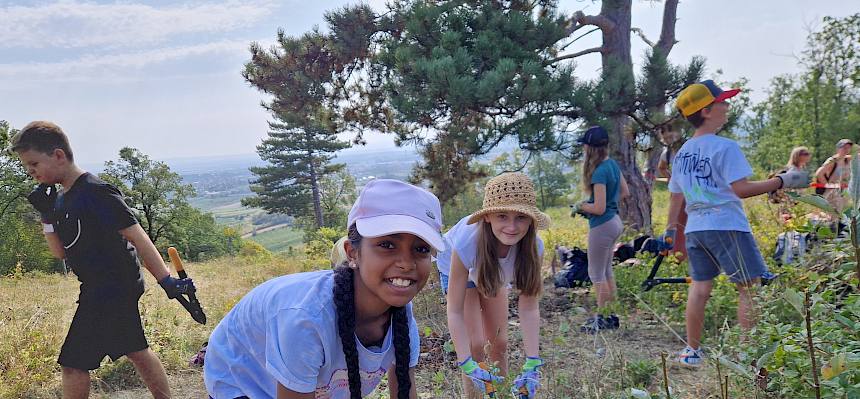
[
  {"x": 576, "y": 54},
  {"x": 642, "y": 35},
  {"x": 579, "y": 19}
]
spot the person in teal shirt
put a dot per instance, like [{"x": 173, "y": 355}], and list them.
[{"x": 603, "y": 182}]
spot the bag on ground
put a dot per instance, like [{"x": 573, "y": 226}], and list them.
[{"x": 574, "y": 272}]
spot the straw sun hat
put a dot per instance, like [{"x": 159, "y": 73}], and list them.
[{"x": 511, "y": 192}]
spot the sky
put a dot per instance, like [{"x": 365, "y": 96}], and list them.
[{"x": 164, "y": 76}]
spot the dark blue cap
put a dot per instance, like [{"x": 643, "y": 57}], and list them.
[{"x": 595, "y": 136}]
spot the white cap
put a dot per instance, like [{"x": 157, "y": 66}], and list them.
[{"x": 388, "y": 206}]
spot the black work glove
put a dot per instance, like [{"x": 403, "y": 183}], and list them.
[
  {"x": 177, "y": 287},
  {"x": 43, "y": 199}
]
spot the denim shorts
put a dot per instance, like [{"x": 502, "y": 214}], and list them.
[
  {"x": 443, "y": 281},
  {"x": 735, "y": 253}
]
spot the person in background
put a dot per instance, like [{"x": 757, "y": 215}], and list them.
[
  {"x": 832, "y": 178},
  {"x": 670, "y": 136},
  {"x": 797, "y": 162},
  {"x": 710, "y": 180},
  {"x": 603, "y": 182}
]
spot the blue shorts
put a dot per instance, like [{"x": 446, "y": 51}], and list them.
[
  {"x": 443, "y": 281},
  {"x": 735, "y": 253}
]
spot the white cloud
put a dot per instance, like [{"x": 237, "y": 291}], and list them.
[
  {"x": 76, "y": 24},
  {"x": 114, "y": 65}
]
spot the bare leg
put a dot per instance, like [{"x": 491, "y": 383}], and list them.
[
  {"x": 475, "y": 328},
  {"x": 151, "y": 372},
  {"x": 76, "y": 383},
  {"x": 605, "y": 292},
  {"x": 746, "y": 305},
  {"x": 698, "y": 295}
]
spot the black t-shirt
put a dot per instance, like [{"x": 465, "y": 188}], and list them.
[{"x": 90, "y": 215}]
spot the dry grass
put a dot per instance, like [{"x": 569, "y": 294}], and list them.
[
  {"x": 44, "y": 306},
  {"x": 35, "y": 312}
]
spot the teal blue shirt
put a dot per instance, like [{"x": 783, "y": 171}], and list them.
[{"x": 609, "y": 174}]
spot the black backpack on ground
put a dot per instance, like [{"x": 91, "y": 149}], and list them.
[{"x": 574, "y": 271}]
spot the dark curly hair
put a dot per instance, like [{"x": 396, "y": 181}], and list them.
[{"x": 344, "y": 300}]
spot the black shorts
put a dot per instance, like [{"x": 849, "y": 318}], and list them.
[{"x": 103, "y": 328}]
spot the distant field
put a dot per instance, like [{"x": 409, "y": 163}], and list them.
[
  {"x": 228, "y": 211},
  {"x": 279, "y": 240},
  {"x": 209, "y": 203}
]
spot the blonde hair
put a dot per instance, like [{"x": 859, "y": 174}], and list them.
[
  {"x": 526, "y": 266},
  {"x": 338, "y": 253},
  {"x": 593, "y": 157},
  {"x": 794, "y": 158}
]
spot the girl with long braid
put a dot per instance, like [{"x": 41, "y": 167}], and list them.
[
  {"x": 489, "y": 250},
  {"x": 335, "y": 333}
]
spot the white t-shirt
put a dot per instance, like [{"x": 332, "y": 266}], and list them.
[
  {"x": 285, "y": 331},
  {"x": 463, "y": 238},
  {"x": 703, "y": 170}
]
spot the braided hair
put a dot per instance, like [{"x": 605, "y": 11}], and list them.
[{"x": 344, "y": 301}]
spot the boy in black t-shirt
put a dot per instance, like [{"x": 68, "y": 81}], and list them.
[{"x": 89, "y": 225}]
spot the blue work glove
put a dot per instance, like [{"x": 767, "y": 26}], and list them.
[
  {"x": 177, "y": 287},
  {"x": 480, "y": 377},
  {"x": 43, "y": 199},
  {"x": 527, "y": 383},
  {"x": 668, "y": 240}
]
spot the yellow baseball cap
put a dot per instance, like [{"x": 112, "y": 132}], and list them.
[{"x": 700, "y": 95}]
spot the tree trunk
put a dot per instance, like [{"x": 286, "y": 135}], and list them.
[
  {"x": 652, "y": 160},
  {"x": 540, "y": 182},
  {"x": 618, "y": 65},
  {"x": 315, "y": 188}
]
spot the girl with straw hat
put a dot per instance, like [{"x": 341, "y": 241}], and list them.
[
  {"x": 603, "y": 182},
  {"x": 488, "y": 252}
]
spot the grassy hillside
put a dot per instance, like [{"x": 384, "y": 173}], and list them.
[
  {"x": 280, "y": 239},
  {"x": 37, "y": 310}
]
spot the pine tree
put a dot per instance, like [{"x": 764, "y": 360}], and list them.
[
  {"x": 299, "y": 154},
  {"x": 307, "y": 77}
]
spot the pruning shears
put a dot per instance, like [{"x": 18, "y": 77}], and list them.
[
  {"x": 192, "y": 305},
  {"x": 651, "y": 282},
  {"x": 489, "y": 388}
]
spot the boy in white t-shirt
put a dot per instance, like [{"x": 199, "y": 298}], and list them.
[{"x": 709, "y": 179}]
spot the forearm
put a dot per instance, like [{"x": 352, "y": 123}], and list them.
[
  {"x": 593, "y": 209},
  {"x": 746, "y": 189},
  {"x": 459, "y": 334},
  {"x": 394, "y": 384},
  {"x": 55, "y": 245},
  {"x": 152, "y": 260},
  {"x": 529, "y": 312},
  {"x": 676, "y": 205}
]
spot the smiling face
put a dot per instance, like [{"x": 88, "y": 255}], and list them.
[
  {"x": 45, "y": 168},
  {"x": 509, "y": 227},
  {"x": 392, "y": 269}
]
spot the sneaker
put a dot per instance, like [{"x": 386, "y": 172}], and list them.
[
  {"x": 767, "y": 277},
  {"x": 595, "y": 324},
  {"x": 689, "y": 357},
  {"x": 613, "y": 322}
]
